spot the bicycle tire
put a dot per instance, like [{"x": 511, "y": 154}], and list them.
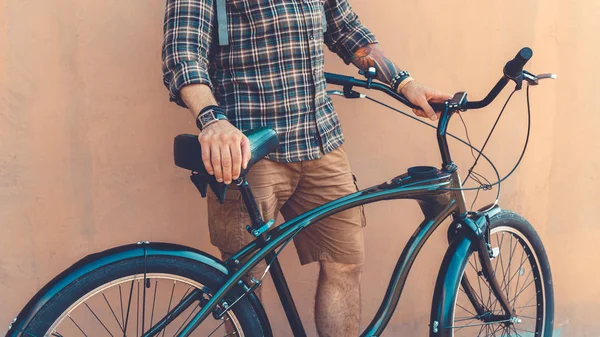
[
  {"x": 445, "y": 321},
  {"x": 248, "y": 311}
]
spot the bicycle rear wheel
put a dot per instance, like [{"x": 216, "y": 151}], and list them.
[
  {"x": 469, "y": 307},
  {"x": 130, "y": 296}
]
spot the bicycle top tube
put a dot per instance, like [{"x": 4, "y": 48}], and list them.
[{"x": 513, "y": 70}]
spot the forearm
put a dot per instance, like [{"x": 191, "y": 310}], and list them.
[
  {"x": 196, "y": 97},
  {"x": 371, "y": 55}
]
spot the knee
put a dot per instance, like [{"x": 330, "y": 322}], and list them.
[{"x": 340, "y": 271}]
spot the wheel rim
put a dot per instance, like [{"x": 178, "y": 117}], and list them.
[
  {"x": 518, "y": 270},
  {"x": 116, "y": 308}
]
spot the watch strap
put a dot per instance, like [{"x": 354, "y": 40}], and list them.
[{"x": 210, "y": 115}]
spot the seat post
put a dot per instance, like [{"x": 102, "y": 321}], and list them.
[{"x": 251, "y": 206}]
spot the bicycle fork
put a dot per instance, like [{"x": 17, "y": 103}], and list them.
[{"x": 478, "y": 231}]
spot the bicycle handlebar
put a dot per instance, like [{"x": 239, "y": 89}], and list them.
[
  {"x": 514, "y": 67},
  {"x": 512, "y": 71}
]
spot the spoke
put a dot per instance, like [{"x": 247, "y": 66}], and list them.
[
  {"x": 137, "y": 312},
  {"x": 128, "y": 307},
  {"x": 463, "y": 308},
  {"x": 169, "y": 308},
  {"x": 462, "y": 328},
  {"x": 514, "y": 329},
  {"x": 93, "y": 313},
  {"x": 474, "y": 294},
  {"x": 182, "y": 297},
  {"x": 77, "y": 325},
  {"x": 497, "y": 329},
  {"x": 460, "y": 319},
  {"x": 190, "y": 315},
  {"x": 56, "y": 334},
  {"x": 512, "y": 254},
  {"x": 526, "y": 305},
  {"x": 478, "y": 278},
  {"x": 480, "y": 330},
  {"x": 144, "y": 303},
  {"x": 507, "y": 284},
  {"x": 121, "y": 302},
  {"x": 218, "y": 326},
  {"x": 523, "y": 329},
  {"x": 499, "y": 251},
  {"x": 477, "y": 324},
  {"x": 153, "y": 302},
  {"x": 527, "y": 286},
  {"x": 501, "y": 266},
  {"x": 484, "y": 283},
  {"x": 526, "y": 279},
  {"x": 518, "y": 271},
  {"x": 113, "y": 312}
]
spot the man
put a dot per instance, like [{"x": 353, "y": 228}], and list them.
[{"x": 270, "y": 73}]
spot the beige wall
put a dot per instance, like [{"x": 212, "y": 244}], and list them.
[{"x": 86, "y": 132}]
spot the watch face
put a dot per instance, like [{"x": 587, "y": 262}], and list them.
[{"x": 207, "y": 117}]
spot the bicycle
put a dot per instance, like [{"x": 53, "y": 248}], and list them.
[{"x": 478, "y": 288}]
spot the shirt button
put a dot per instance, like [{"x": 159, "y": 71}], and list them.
[{"x": 312, "y": 37}]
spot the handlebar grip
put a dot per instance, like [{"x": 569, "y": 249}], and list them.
[
  {"x": 514, "y": 67},
  {"x": 338, "y": 79}
]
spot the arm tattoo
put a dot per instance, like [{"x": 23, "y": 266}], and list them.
[{"x": 372, "y": 56}]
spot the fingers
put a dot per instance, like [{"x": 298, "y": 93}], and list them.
[
  {"x": 245, "y": 152},
  {"x": 205, "y": 149},
  {"x": 225, "y": 151},
  {"x": 215, "y": 157},
  {"x": 226, "y": 163},
  {"x": 236, "y": 157},
  {"x": 438, "y": 97},
  {"x": 428, "y": 110},
  {"x": 419, "y": 112}
]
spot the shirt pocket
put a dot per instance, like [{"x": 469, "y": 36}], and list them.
[{"x": 253, "y": 18}]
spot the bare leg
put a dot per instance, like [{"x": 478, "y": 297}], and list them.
[{"x": 337, "y": 305}]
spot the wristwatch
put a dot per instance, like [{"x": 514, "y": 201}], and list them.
[{"x": 209, "y": 115}]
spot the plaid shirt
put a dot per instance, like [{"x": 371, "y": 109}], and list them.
[{"x": 271, "y": 73}]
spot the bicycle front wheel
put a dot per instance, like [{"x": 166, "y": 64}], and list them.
[
  {"x": 130, "y": 296},
  {"x": 521, "y": 266}
]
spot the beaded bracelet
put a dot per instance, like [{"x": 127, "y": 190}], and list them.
[{"x": 396, "y": 80}]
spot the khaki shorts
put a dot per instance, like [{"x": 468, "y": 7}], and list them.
[{"x": 292, "y": 189}]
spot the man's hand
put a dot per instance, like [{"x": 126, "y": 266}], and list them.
[
  {"x": 225, "y": 151},
  {"x": 420, "y": 95}
]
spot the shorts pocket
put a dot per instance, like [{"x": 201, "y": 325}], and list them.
[{"x": 226, "y": 221}]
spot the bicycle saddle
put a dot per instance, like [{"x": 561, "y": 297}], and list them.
[{"x": 188, "y": 155}]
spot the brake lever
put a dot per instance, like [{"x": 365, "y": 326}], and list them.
[
  {"x": 349, "y": 93},
  {"x": 335, "y": 92},
  {"x": 535, "y": 79}
]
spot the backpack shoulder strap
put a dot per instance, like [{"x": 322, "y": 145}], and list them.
[{"x": 221, "y": 11}]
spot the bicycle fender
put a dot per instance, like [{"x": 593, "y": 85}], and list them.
[
  {"x": 446, "y": 284},
  {"x": 98, "y": 260}
]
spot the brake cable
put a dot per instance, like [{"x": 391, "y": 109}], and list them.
[{"x": 480, "y": 152}]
